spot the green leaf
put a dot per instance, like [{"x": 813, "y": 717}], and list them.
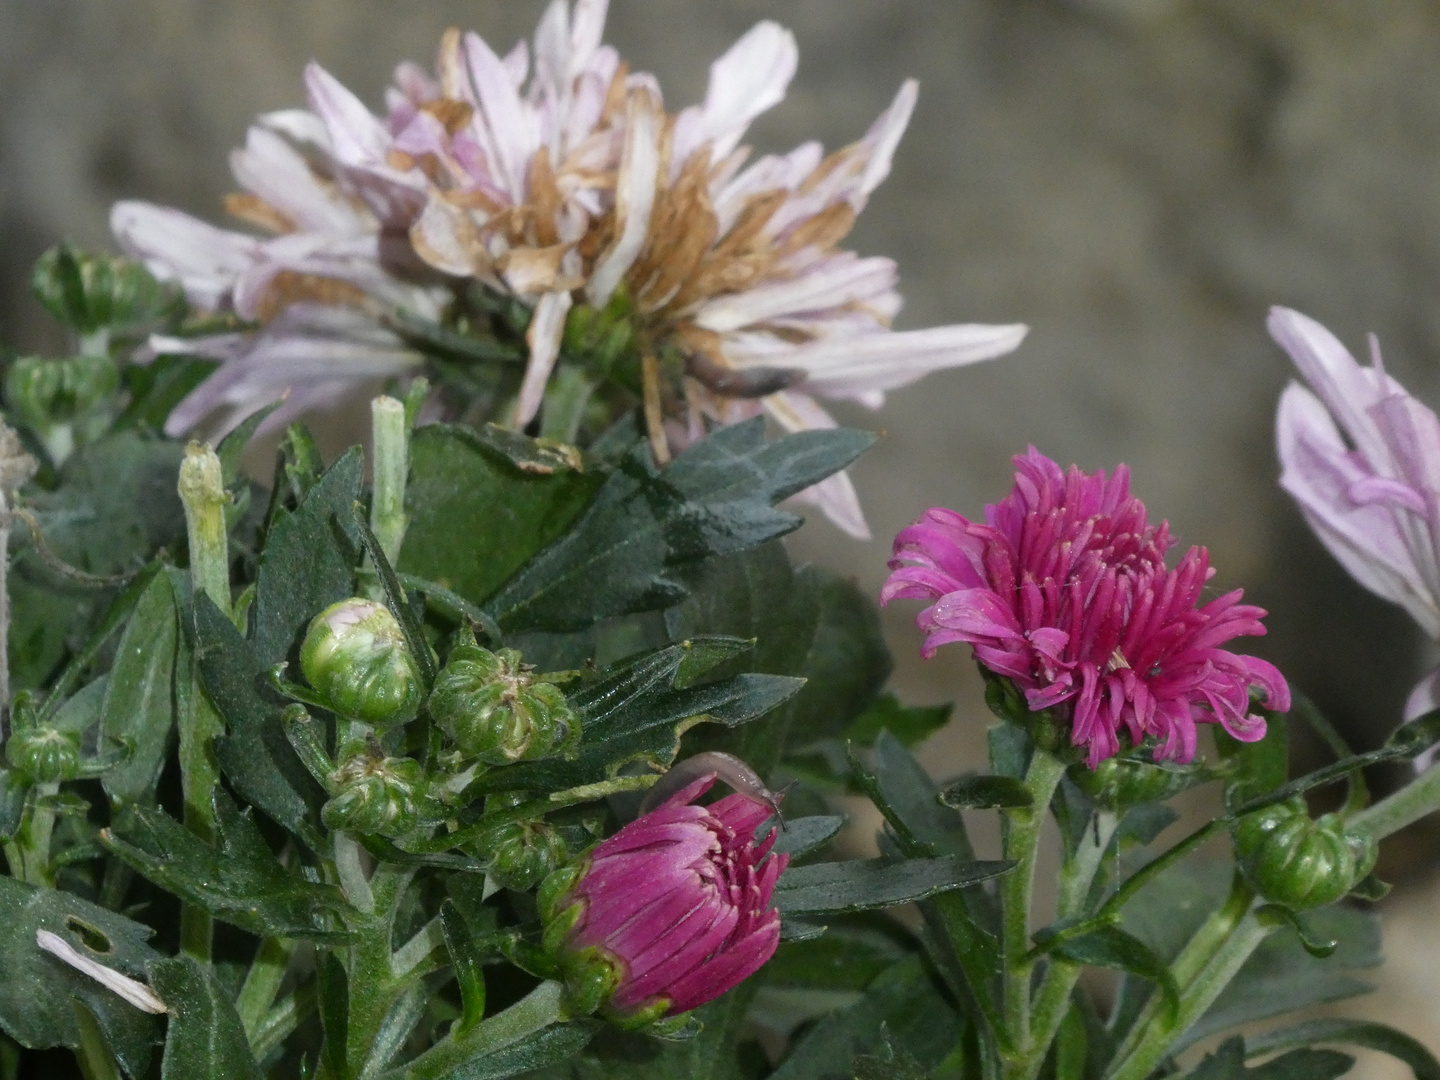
[
  {"x": 1228, "y": 1063},
  {"x": 157, "y": 387},
  {"x": 986, "y": 793},
  {"x": 863, "y": 884},
  {"x": 1072, "y": 1046},
  {"x": 890, "y": 1062},
  {"x": 847, "y": 957},
  {"x": 332, "y": 985},
  {"x": 1009, "y": 749},
  {"x": 908, "y": 725},
  {"x": 903, "y": 1001},
  {"x": 1316, "y": 946},
  {"x": 13, "y": 789},
  {"x": 36, "y": 987},
  {"x": 205, "y": 1039},
  {"x": 308, "y": 562},
  {"x": 466, "y": 959},
  {"x": 482, "y": 503},
  {"x": 1260, "y": 767},
  {"x": 238, "y": 880},
  {"x": 1111, "y": 947},
  {"x": 799, "y": 837},
  {"x": 255, "y": 754},
  {"x": 1367, "y": 1033},
  {"x": 714, "y": 499},
  {"x": 139, "y": 703},
  {"x": 232, "y": 447}
]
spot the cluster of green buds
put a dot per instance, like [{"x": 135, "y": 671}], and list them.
[
  {"x": 498, "y": 710},
  {"x": 1118, "y": 783},
  {"x": 354, "y": 655},
  {"x": 519, "y": 854},
  {"x": 376, "y": 794},
  {"x": 48, "y": 395},
  {"x": 94, "y": 292},
  {"x": 1290, "y": 858},
  {"x": 45, "y": 754}
]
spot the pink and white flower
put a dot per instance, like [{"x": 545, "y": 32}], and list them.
[{"x": 1064, "y": 590}]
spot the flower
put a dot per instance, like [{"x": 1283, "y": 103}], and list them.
[
  {"x": 669, "y": 912},
  {"x": 735, "y": 270},
  {"x": 1362, "y": 459},
  {"x": 1065, "y": 591}
]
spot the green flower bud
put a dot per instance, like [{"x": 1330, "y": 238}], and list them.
[
  {"x": 355, "y": 657},
  {"x": 495, "y": 710},
  {"x": 1117, "y": 783},
  {"x": 87, "y": 292},
  {"x": 1291, "y": 859},
  {"x": 520, "y": 855},
  {"x": 376, "y": 795},
  {"x": 45, "y": 754},
  {"x": 48, "y": 392}
]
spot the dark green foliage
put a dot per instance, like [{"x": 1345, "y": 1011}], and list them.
[
  {"x": 836, "y": 887},
  {"x": 204, "y": 1040},
  {"x": 139, "y": 702},
  {"x": 1228, "y": 1063}
]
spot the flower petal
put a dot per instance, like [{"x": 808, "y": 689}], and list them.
[{"x": 547, "y": 327}]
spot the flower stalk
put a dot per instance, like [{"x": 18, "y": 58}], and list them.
[{"x": 390, "y": 436}]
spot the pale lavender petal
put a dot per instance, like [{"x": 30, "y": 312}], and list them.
[
  {"x": 1424, "y": 698},
  {"x": 634, "y": 195},
  {"x": 272, "y": 169},
  {"x": 357, "y": 136},
  {"x": 587, "y": 29},
  {"x": 834, "y": 496},
  {"x": 513, "y": 132},
  {"x": 839, "y": 281},
  {"x": 547, "y": 327},
  {"x": 884, "y": 136},
  {"x": 300, "y": 126},
  {"x": 517, "y": 64},
  {"x": 174, "y": 246}
]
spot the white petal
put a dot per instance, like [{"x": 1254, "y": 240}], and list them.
[
  {"x": 587, "y": 30},
  {"x": 517, "y": 64},
  {"x": 547, "y": 327},
  {"x": 634, "y": 195},
  {"x": 836, "y": 282},
  {"x": 300, "y": 126},
  {"x": 835, "y": 495},
  {"x": 552, "y": 46},
  {"x": 132, "y": 990},
  {"x": 174, "y": 246},
  {"x": 272, "y": 169},
  {"x": 851, "y": 366},
  {"x": 511, "y": 126},
  {"x": 884, "y": 136},
  {"x": 749, "y": 78},
  {"x": 358, "y": 137}
]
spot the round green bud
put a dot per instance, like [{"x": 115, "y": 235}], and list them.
[
  {"x": 1292, "y": 859},
  {"x": 87, "y": 292},
  {"x": 521, "y": 854},
  {"x": 494, "y": 709},
  {"x": 375, "y": 795},
  {"x": 47, "y": 392},
  {"x": 1117, "y": 783},
  {"x": 46, "y": 755},
  {"x": 355, "y": 657}
]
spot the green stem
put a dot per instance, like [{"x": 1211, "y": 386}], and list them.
[
  {"x": 93, "y": 1054},
  {"x": 542, "y": 1007},
  {"x": 282, "y": 1020},
  {"x": 372, "y": 978},
  {"x": 202, "y": 490},
  {"x": 387, "y": 503},
  {"x": 1155, "y": 1039},
  {"x": 29, "y": 852},
  {"x": 267, "y": 972},
  {"x": 1411, "y": 803},
  {"x": 1021, "y": 842}
]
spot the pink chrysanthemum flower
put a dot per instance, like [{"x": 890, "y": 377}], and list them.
[
  {"x": 1065, "y": 591},
  {"x": 671, "y": 911}
]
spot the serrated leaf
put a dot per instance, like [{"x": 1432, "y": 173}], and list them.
[
  {"x": 799, "y": 837},
  {"x": 139, "y": 703},
  {"x": 865, "y": 884},
  {"x": 622, "y": 554},
  {"x": 909, "y": 725},
  {"x": 482, "y": 503},
  {"x": 1228, "y": 1063},
  {"x": 986, "y": 793},
  {"x": 238, "y": 880},
  {"x": 205, "y": 1039},
  {"x": 911, "y": 797},
  {"x": 308, "y": 562},
  {"x": 1369, "y": 1034},
  {"x": 36, "y": 987},
  {"x": 254, "y": 754}
]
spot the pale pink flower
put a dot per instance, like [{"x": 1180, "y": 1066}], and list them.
[
  {"x": 1362, "y": 459},
  {"x": 1064, "y": 590}
]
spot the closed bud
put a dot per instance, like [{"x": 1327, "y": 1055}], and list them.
[
  {"x": 43, "y": 392},
  {"x": 1117, "y": 783},
  {"x": 520, "y": 855},
  {"x": 376, "y": 795},
  {"x": 88, "y": 292},
  {"x": 1292, "y": 859},
  {"x": 355, "y": 657},
  {"x": 44, "y": 754},
  {"x": 495, "y": 709}
]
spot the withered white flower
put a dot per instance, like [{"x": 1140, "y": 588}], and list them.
[{"x": 132, "y": 990}]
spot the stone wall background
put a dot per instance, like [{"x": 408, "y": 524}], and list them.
[{"x": 1137, "y": 179}]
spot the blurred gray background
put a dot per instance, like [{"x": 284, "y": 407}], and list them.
[{"x": 1136, "y": 179}]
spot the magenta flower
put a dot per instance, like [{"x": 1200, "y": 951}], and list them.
[
  {"x": 670, "y": 912},
  {"x": 1065, "y": 591},
  {"x": 1376, "y": 506}
]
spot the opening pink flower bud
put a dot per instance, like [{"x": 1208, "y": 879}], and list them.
[
  {"x": 1064, "y": 590},
  {"x": 670, "y": 912}
]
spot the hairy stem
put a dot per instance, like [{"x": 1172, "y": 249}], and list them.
[
  {"x": 387, "y": 503},
  {"x": 542, "y": 1007},
  {"x": 1411, "y": 803},
  {"x": 93, "y": 1054},
  {"x": 1022, "y": 841}
]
